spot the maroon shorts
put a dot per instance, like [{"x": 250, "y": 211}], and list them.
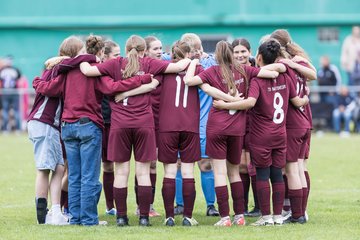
[
  {"x": 296, "y": 144},
  {"x": 122, "y": 140},
  {"x": 224, "y": 147},
  {"x": 246, "y": 141},
  {"x": 307, "y": 150},
  {"x": 187, "y": 144},
  {"x": 263, "y": 157},
  {"x": 105, "y": 141},
  {"x": 157, "y": 137}
]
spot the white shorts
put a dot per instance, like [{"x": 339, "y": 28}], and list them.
[{"x": 47, "y": 145}]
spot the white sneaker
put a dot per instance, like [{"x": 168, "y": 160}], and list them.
[
  {"x": 189, "y": 222},
  {"x": 48, "y": 218},
  {"x": 278, "y": 220},
  {"x": 103, "y": 223},
  {"x": 306, "y": 216},
  {"x": 111, "y": 212},
  {"x": 239, "y": 220},
  {"x": 224, "y": 222},
  {"x": 286, "y": 214},
  {"x": 60, "y": 220},
  {"x": 264, "y": 221},
  {"x": 344, "y": 134}
]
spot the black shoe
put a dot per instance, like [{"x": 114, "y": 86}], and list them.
[
  {"x": 211, "y": 211},
  {"x": 178, "y": 210},
  {"x": 144, "y": 221},
  {"x": 170, "y": 222},
  {"x": 300, "y": 220},
  {"x": 41, "y": 209},
  {"x": 122, "y": 221},
  {"x": 254, "y": 213}
]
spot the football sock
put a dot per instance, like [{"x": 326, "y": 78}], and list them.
[
  {"x": 178, "y": 193},
  {"x": 108, "y": 182},
  {"x": 263, "y": 193},
  {"x": 189, "y": 195},
  {"x": 278, "y": 194},
  {"x": 305, "y": 199},
  {"x": 208, "y": 187},
  {"x": 145, "y": 196},
  {"x": 222, "y": 196},
  {"x": 237, "y": 194},
  {"x": 120, "y": 196},
  {"x": 153, "y": 185},
  {"x": 246, "y": 186},
  {"x": 168, "y": 194},
  {"x": 296, "y": 197},
  {"x": 286, "y": 204}
]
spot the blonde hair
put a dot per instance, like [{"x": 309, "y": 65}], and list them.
[
  {"x": 224, "y": 57},
  {"x": 192, "y": 39},
  {"x": 134, "y": 45},
  {"x": 287, "y": 43},
  {"x": 150, "y": 39},
  {"x": 71, "y": 46}
]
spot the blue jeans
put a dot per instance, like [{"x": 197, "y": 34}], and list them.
[
  {"x": 7, "y": 102},
  {"x": 83, "y": 150},
  {"x": 337, "y": 116}
]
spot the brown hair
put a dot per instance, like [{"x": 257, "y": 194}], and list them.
[
  {"x": 287, "y": 43},
  {"x": 179, "y": 50},
  {"x": 94, "y": 44},
  {"x": 71, "y": 46},
  {"x": 150, "y": 39},
  {"x": 109, "y": 45},
  {"x": 224, "y": 57},
  {"x": 134, "y": 45},
  {"x": 242, "y": 42}
]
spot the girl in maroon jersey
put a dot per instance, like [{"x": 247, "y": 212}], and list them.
[
  {"x": 298, "y": 127},
  {"x": 242, "y": 53},
  {"x": 132, "y": 125},
  {"x": 225, "y": 141},
  {"x": 268, "y": 132}
]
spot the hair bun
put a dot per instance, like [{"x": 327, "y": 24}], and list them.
[{"x": 273, "y": 46}]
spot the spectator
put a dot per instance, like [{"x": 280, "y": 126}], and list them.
[
  {"x": 350, "y": 48},
  {"x": 9, "y": 76},
  {"x": 343, "y": 110},
  {"x": 355, "y": 73},
  {"x": 328, "y": 75}
]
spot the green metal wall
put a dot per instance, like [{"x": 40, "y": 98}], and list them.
[{"x": 32, "y": 31}]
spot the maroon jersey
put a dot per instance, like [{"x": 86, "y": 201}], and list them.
[
  {"x": 48, "y": 109},
  {"x": 179, "y": 105},
  {"x": 155, "y": 101},
  {"x": 135, "y": 111},
  {"x": 227, "y": 122},
  {"x": 268, "y": 116},
  {"x": 297, "y": 117}
]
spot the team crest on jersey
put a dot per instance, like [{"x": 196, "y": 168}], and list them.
[{"x": 140, "y": 73}]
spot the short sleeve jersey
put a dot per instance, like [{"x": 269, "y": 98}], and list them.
[
  {"x": 135, "y": 111},
  {"x": 297, "y": 117},
  {"x": 268, "y": 116},
  {"x": 179, "y": 105},
  {"x": 227, "y": 122}
]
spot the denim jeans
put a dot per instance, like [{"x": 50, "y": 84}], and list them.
[
  {"x": 83, "y": 150},
  {"x": 337, "y": 116}
]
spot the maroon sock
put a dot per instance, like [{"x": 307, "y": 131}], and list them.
[
  {"x": 144, "y": 195},
  {"x": 253, "y": 186},
  {"x": 64, "y": 199},
  {"x": 307, "y": 176},
  {"x": 246, "y": 186},
  {"x": 189, "y": 195},
  {"x": 222, "y": 196},
  {"x": 296, "y": 197},
  {"x": 263, "y": 193},
  {"x": 304, "y": 200},
  {"x": 278, "y": 195},
  {"x": 120, "y": 196},
  {"x": 237, "y": 194},
  {"x": 286, "y": 207},
  {"x": 168, "y": 194},
  {"x": 153, "y": 185},
  {"x": 136, "y": 191},
  {"x": 108, "y": 182}
]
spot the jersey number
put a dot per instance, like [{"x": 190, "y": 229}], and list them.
[
  {"x": 279, "y": 112},
  {"x": 177, "y": 96}
]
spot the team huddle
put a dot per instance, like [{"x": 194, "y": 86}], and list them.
[{"x": 244, "y": 120}]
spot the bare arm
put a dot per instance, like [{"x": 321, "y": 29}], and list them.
[
  {"x": 88, "y": 70},
  {"x": 299, "y": 102},
  {"x": 278, "y": 67},
  {"x": 190, "y": 79},
  {"x": 217, "y": 94},
  {"x": 238, "y": 105},
  {"x": 264, "y": 73},
  {"x": 177, "y": 67},
  {"x": 145, "y": 88},
  {"x": 308, "y": 72}
]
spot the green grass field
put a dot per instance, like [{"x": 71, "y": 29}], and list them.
[{"x": 334, "y": 204}]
